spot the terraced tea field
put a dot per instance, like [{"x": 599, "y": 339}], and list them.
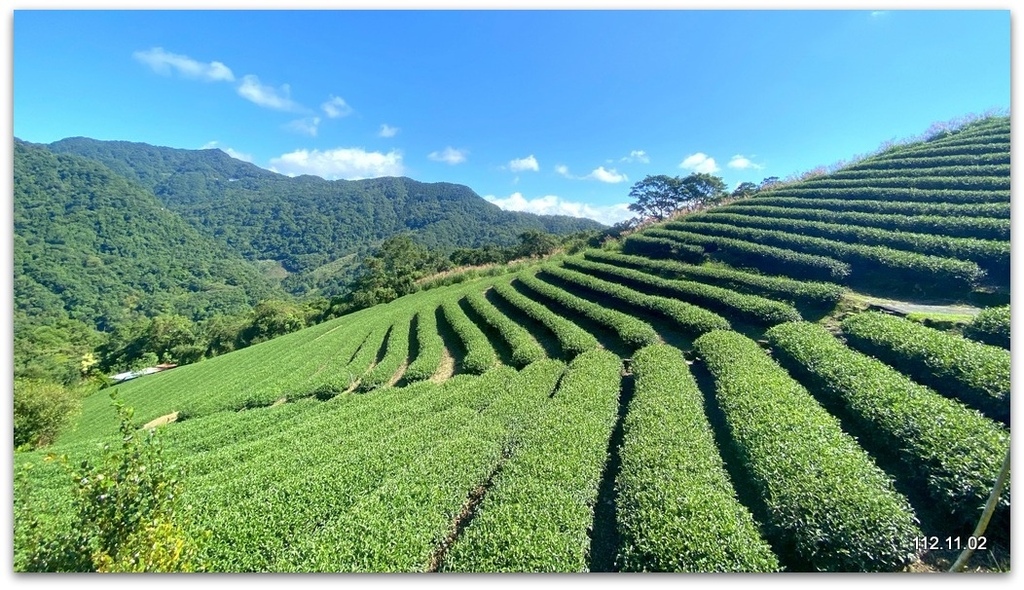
[{"x": 703, "y": 397}]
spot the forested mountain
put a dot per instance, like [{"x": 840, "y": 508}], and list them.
[
  {"x": 93, "y": 249},
  {"x": 307, "y": 222}
]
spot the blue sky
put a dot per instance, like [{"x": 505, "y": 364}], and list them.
[{"x": 551, "y": 112}]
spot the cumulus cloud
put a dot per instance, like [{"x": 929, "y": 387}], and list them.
[
  {"x": 267, "y": 96},
  {"x": 563, "y": 170},
  {"x": 700, "y": 162},
  {"x": 387, "y": 130},
  {"x": 741, "y": 162},
  {"x": 527, "y": 163},
  {"x": 233, "y": 153},
  {"x": 307, "y": 126},
  {"x": 609, "y": 176},
  {"x": 554, "y": 205},
  {"x": 336, "y": 107},
  {"x": 166, "y": 63},
  {"x": 346, "y": 163},
  {"x": 449, "y": 155},
  {"x": 636, "y": 156}
]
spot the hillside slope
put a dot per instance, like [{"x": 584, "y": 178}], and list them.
[
  {"x": 307, "y": 222},
  {"x": 640, "y": 408},
  {"x": 94, "y": 248}
]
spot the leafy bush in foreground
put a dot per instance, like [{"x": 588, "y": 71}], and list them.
[
  {"x": 975, "y": 373},
  {"x": 677, "y": 509},
  {"x": 826, "y": 499},
  {"x": 951, "y": 451}
]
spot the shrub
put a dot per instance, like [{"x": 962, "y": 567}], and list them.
[
  {"x": 946, "y": 449},
  {"x": 975, "y": 373},
  {"x": 745, "y": 253},
  {"x": 42, "y": 410},
  {"x": 991, "y": 326},
  {"x": 751, "y": 308},
  {"x": 677, "y": 509},
  {"x": 129, "y": 513},
  {"x": 827, "y": 501},
  {"x": 572, "y": 339},
  {"x": 776, "y": 287}
]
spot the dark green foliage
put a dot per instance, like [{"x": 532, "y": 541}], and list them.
[
  {"x": 42, "y": 410},
  {"x": 648, "y": 245},
  {"x": 827, "y": 501},
  {"x": 924, "y": 183},
  {"x": 631, "y": 330},
  {"x": 306, "y": 222},
  {"x": 950, "y": 451},
  {"x": 950, "y": 211},
  {"x": 868, "y": 193},
  {"x": 677, "y": 509},
  {"x": 775, "y": 287},
  {"x": 920, "y": 161},
  {"x": 869, "y": 263},
  {"x": 941, "y": 171},
  {"x": 992, "y": 256},
  {"x": 976, "y": 374},
  {"x": 770, "y": 259},
  {"x": 92, "y": 247},
  {"x": 751, "y": 308},
  {"x": 480, "y": 355},
  {"x": 985, "y": 228},
  {"x": 991, "y": 326},
  {"x": 572, "y": 339},
  {"x": 660, "y": 196}
]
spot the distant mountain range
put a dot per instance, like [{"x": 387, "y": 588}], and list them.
[
  {"x": 108, "y": 231},
  {"x": 307, "y": 222}
]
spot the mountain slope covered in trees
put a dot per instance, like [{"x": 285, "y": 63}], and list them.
[{"x": 306, "y": 222}]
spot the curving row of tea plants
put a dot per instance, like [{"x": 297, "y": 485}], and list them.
[{"x": 698, "y": 399}]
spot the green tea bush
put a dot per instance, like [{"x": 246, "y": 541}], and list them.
[
  {"x": 677, "y": 509},
  {"x": 827, "y": 502},
  {"x": 949, "y": 450},
  {"x": 975, "y": 373}
]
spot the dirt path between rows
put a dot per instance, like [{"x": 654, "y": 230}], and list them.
[{"x": 903, "y": 307}]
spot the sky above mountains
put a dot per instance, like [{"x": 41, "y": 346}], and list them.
[{"x": 542, "y": 111}]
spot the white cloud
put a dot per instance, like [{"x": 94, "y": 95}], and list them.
[
  {"x": 527, "y": 163},
  {"x": 307, "y": 126},
  {"x": 700, "y": 162},
  {"x": 449, "y": 155},
  {"x": 610, "y": 176},
  {"x": 164, "y": 62},
  {"x": 336, "y": 107},
  {"x": 347, "y": 163},
  {"x": 233, "y": 153},
  {"x": 636, "y": 156},
  {"x": 553, "y": 205},
  {"x": 267, "y": 96},
  {"x": 741, "y": 162},
  {"x": 878, "y": 13},
  {"x": 600, "y": 173},
  {"x": 387, "y": 130}
]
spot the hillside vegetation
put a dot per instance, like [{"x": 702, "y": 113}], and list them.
[{"x": 704, "y": 396}]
